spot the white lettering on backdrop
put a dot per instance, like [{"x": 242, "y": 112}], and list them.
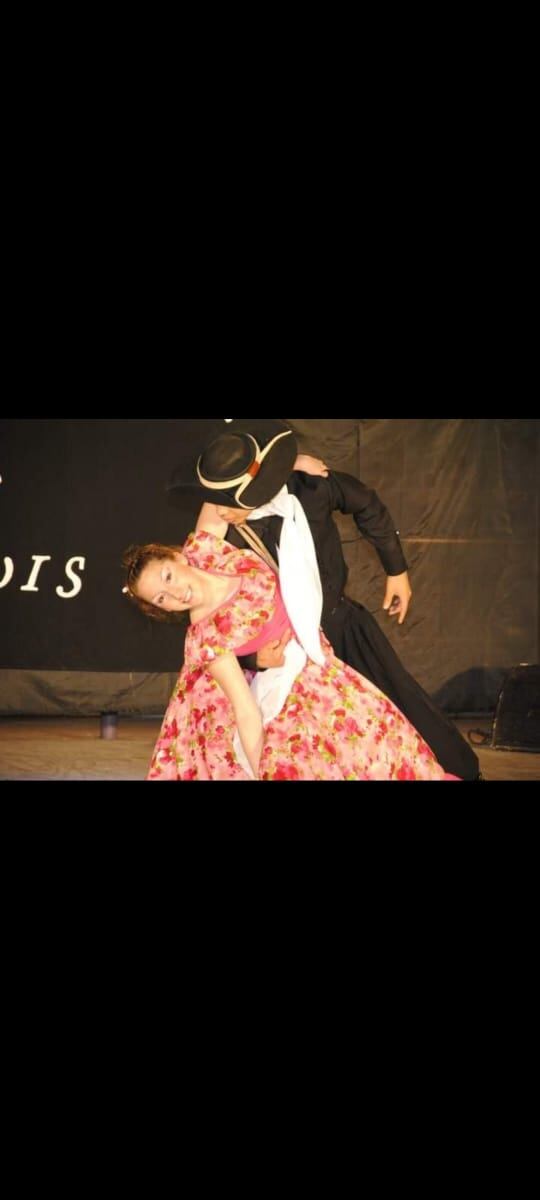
[{"x": 38, "y": 561}]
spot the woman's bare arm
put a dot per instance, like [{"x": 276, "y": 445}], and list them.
[
  {"x": 228, "y": 673},
  {"x": 210, "y": 521},
  {"x": 311, "y": 466}
]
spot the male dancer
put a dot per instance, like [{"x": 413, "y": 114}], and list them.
[{"x": 248, "y": 474}]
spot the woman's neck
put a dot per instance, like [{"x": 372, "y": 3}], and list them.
[{"x": 215, "y": 591}]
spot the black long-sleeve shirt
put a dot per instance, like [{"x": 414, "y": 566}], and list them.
[{"x": 320, "y": 499}]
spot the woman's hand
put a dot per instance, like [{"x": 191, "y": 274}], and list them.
[{"x": 311, "y": 466}]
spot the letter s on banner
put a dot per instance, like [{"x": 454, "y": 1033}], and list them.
[{"x": 77, "y": 583}]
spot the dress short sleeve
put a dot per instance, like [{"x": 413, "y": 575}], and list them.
[{"x": 242, "y": 617}]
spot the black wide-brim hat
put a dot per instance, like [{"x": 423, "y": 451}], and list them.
[{"x": 244, "y": 467}]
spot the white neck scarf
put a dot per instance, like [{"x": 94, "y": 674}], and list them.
[
  {"x": 302, "y": 593},
  {"x": 299, "y": 577}
]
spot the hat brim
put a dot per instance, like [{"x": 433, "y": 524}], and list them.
[{"x": 272, "y": 476}]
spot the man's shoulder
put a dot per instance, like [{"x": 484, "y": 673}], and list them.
[{"x": 313, "y": 491}]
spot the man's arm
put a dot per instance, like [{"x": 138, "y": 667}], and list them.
[
  {"x": 373, "y": 520},
  {"x": 351, "y": 496}
]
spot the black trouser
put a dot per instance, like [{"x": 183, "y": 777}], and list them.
[{"x": 359, "y": 641}]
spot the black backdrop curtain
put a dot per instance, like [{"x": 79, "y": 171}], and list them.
[{"x": 74, "y": 493}]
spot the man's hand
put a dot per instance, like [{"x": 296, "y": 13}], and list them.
[
  {"x": 311, "y": 466},
  {"x": 273, "y": 655},
  {"x": 398, "y": 596}
]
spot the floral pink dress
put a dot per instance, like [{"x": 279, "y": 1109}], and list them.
[{"x": 335, "y": 724}]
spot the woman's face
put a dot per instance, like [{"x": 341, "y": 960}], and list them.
[{"x": 170, "y": 584}]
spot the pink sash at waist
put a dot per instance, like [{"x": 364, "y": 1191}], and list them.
[{"x": 271, "y": 632}]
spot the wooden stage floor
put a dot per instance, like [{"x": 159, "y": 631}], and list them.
[{"x": 71, "y": 749}]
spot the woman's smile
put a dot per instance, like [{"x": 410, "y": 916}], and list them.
[{"x": 169, "y": 584}]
